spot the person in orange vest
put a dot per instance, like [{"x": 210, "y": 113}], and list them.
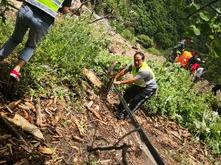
[
  {"x": 179, "y": 48},
  {"x": 143, "y": 84},
  {"x": 183, "y": 59},
  {"x": 37, "y": 16}
]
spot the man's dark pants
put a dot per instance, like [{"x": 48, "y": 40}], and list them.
[{"x": 135, "y": 96}]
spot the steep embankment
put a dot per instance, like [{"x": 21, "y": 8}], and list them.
[{"x": 72, "y": 126}]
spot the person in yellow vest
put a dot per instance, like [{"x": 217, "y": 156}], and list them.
[
  {"x": 37, "y": 16},
  {"x": 143, "y": 84}
]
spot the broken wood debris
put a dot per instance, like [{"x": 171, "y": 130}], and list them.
[
  {"x": 123, "y": 147},
  {"x": 92, "y": 77},
  {"x": 21, "y": 122},
  {"x": 94, "y": 111},
  {"x": 11, "y": 128},
  {"x": 38, "y": 113},
  {"x": 13, "y": 104},
  {"x": 78, "y": 139},
  {"x": 46, "y": 150}
]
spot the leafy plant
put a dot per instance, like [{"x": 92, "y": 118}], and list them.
[{"x": 145, "y": 41}]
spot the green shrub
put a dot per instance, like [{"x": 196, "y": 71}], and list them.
[
  {"x": 154, "y": 51},
  {"x": 69, "y": 47},
  {"x": 164, "y": 39},
  {"x": 128, "y": 35},
  {"x": 145, "y": 41},
  {"x": 176, "y": 98}
]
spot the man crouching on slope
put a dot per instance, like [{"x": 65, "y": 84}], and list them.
[
  {"x": 37, "y": 16},
  {"x": 143, "y": 84}
]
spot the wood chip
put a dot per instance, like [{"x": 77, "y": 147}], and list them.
[
  {"x": 38, "y": 113},
  {"x": 92, "y": 77},
  {"x": 94, "y": 111},
  {"x": 24, "y": 107},
  {"x": 30, "y": 106},
  {"x": 46, "y": 150},
  {"x": 79, "y": 127},
  {"x": 78, "y": 139},
  {"x": 90, "y": 104},
  {"x": 13, "y": 104}
]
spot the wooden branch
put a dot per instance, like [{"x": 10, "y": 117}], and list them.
[
  {"x": 104, "y": 17},
  {"x": 141, "y": 131},
  {"x": 107, "y": 148},
  {"x": 201, "y": 8},
  {"x": 135, "y": 130},
  {"x": 115, "y": 145},
  {"x": 38, "y": 113},
  {"x": 95, "y": 113}
]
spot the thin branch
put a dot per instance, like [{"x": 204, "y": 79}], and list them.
[
  {"x": 135, "y": 130},
  {"x": 90, "y": 149},
  {"x": 214, "y": 9},
  {"x": 206, "y": 5},
  {"x": 104, "y": 17}
]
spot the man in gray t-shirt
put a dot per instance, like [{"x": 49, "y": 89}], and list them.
[{"x": 143, "y": 84}]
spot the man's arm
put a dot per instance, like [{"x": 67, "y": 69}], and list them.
[{"x": 128, "y": 81}]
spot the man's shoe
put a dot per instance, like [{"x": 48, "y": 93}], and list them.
[{"x": 16, "y": 75}]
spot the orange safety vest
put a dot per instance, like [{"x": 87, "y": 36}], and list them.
[{"x": 183, "y": 59}]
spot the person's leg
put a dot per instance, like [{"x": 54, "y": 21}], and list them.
[
  {"x": 38, "y": 29},
  {"x": 129, "y": 93},
  {"x": 17, "y": 36},
  {"x": 140, "y": 98}
]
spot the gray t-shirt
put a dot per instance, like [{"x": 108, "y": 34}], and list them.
[{"x": 145, "y": 77}]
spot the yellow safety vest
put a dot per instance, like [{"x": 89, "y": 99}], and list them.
[
  {"x": 135, "y": 71},
  {"x": 49, "y": 6}
]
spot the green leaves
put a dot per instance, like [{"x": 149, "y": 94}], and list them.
[
  {"x": 217, "y": 46},
  {"x": 192, "y": 7},
  {"x": 193, "y": 30},
  {"x": 204, "y": 16},
  {"x": 177, "y": 99}
]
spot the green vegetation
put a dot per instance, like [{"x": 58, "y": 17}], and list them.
[
  {"x": 167, "y": 22},
  {"x": 145, "y": 41},
  {"x": 176, "y": 99}
]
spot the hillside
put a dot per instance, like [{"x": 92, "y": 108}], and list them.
[{"x": 72, "y": 115}]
